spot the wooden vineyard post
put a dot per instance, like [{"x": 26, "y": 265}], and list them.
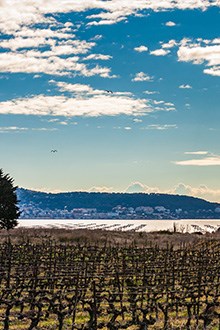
[
  {"x": 95, "y": 305},
  {"x": 75, "y": 303}
]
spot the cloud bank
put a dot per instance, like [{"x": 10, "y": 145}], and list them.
[
  {"x": 14, "y": 14},
  {"x": 202, "y": 191},
  {"x": 82, "y": 100}
]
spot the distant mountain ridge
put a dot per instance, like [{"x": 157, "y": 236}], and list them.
[{"x": 129, "y": 203}]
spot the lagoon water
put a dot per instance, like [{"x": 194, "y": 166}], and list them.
[{"x": 189, "y": 225}]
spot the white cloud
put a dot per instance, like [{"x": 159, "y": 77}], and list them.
[
  {"x": 158, "y": 102},
  {"x": 160, "y": 52},
  {"x": 97, "y": 37},
  {"x": 106, "y": 21},
  {"x": 70, "y": 47},
  {"x": 109, "y": 17},
  {"x": 196, "y": 152},
  {"x": 48, "y": 189},
  {"x": 170, "y": 44},
  {"x": 18, "y": 43},
  {"x": 186, "y": 86},
  {"x": 141, "y": 76},
  {"x": 15, "y": 129},
  {"x": 198, "y": 51},
  {"x": 214, "y": 71},
  {"x": 202, "y": 191},
  {"x": 84, "y": 101},
  {"x": 117, "y": 10},
  {"x": 12, "y": 129},
  {"x": 138, "y": 187},
  {"x": 162, "y": 105},
  {"x": 28, "y": 32},
  {"x": 201, "y": 51},
  {"x": 16, "y": 14},
  {"x": 171, "y": 109},
  {"x": 151, "y": 92},
  {"x": 85, "y": 90},
  {"x": 206, "y": 161},
  {"x": 28, "y": 37},
  {"x": 98, "y": 57},
  {"x": 18, "y": 18},
  {"x": 49, "y": 51},
  {"x": 36, "y": 62},
  {"x": 170, "y": 24},
  {"x": 199, "y": 54},
  {"x": 141, "y": 49},
  {"x": 137, "y": 120},
  {"x": 161, "y": 127},
  {"x": 99, "y": 105},
  {"x": 101, "y": 189},
  {"x": 76, "y": 88},
  {"x": 44, "y": 129}
]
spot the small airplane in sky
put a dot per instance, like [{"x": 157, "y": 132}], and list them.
[
  {"x": 53, "y": 150},
  {"x": 108, "y": 91}
]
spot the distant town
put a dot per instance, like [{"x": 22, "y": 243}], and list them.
[
  {"x": 38, "y": 205},
  {"x": 119, "y": 212}
]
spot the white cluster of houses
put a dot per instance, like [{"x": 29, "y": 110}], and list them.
[{"x": 31, "y": 211}]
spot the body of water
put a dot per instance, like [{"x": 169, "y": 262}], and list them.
[{"x": 189, "y": 225}]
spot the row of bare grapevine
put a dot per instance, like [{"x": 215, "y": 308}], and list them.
[{"x": 84, "y": 287}]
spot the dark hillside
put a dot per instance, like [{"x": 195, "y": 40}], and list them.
[{"x": 105, "y": 202}]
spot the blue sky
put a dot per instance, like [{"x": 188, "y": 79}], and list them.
[{"x": 126, "y": 91}]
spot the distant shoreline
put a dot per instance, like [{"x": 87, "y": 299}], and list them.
[{"x": 140, "y": 225}]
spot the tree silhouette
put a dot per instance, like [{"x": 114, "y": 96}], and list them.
[{"x": 9, "y": 211}]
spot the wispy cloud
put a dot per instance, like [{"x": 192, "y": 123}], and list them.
[
  {"x": 98, "y": 57},
  {"x": 196, "y": 152},
  {"x": 76, "y": 88},
  {"x": 16, "y": 129},
  {"x": 160, "y": 127},
  {"x": 12, "y": 129},
  {"x": 151, "y": 92},
  {"x": 213, "y": 160}
]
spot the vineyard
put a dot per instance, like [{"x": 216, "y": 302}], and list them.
[{"x": 84, "y": 286}]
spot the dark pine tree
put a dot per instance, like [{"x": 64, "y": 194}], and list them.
[{"x": 9, "y": 211}]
